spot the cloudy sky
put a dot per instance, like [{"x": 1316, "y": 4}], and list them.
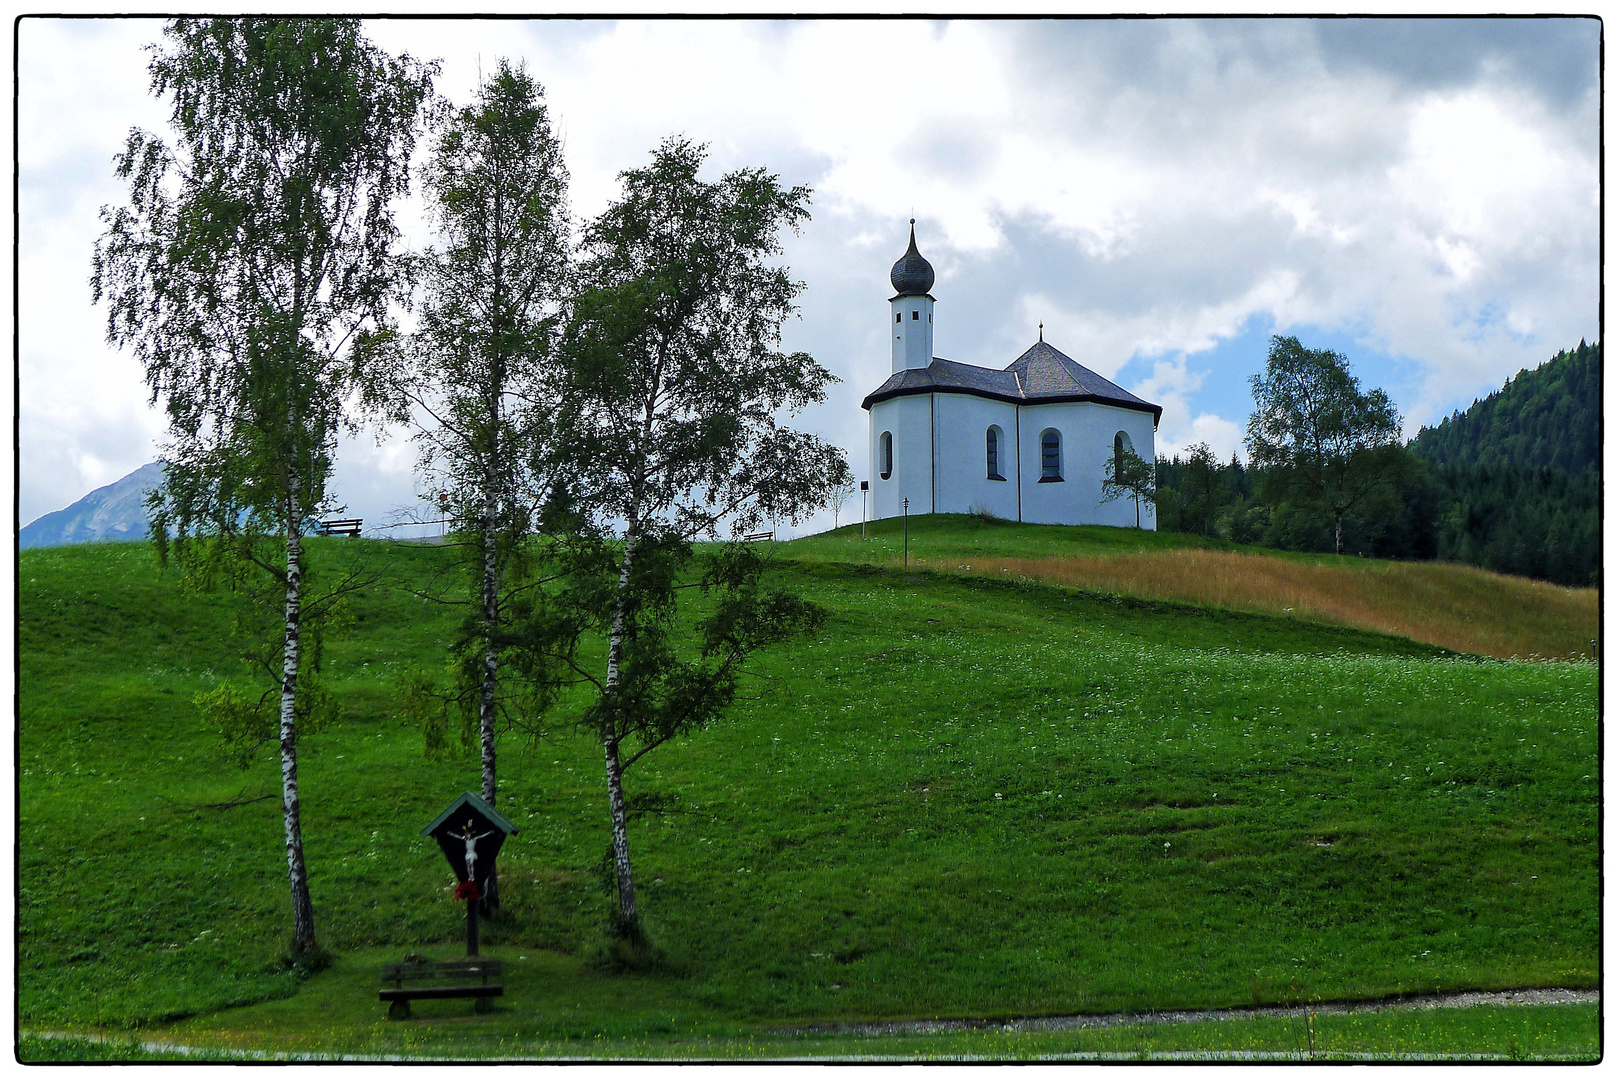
[{"x": 1422, "y": 196}]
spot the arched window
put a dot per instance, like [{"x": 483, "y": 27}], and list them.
[
  {"x": 885, "y": 454},
  {"x": 993, "y": 440},
  {"x": 1050, "y": 456},
  {"x": 1120, "y": 444}
]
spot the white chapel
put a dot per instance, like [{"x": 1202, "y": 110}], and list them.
[{"x": 1027, "y": 442}]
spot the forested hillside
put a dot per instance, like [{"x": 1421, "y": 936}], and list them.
[
  {"x": 1518, "y": 475},
  {"x": 1543, "y": 523},
  {"x": 1549, "y": 417},
  {"x": 1513, "y": 484}
]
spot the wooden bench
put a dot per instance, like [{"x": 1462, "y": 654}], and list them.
[
  {"x": 751, "y": 537},
  {"x": 475, "y": 977},
  {"x": 341, "y": 527}
]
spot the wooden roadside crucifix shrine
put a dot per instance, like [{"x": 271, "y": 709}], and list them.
[{"x": 470, "y": 833}]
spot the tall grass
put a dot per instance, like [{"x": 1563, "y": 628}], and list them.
[{"x": 1458, "y": 607}]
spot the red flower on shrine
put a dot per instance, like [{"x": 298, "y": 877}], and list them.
[{"x": 467, "y": 890}]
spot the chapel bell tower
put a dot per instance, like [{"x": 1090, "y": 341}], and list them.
[{"x": 912, "y": 308}]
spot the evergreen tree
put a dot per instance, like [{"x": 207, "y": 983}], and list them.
[
  {"x": 1516, "y": 463},
  {"x": 1204, "y": 489},
  {"x": 1549, "y": 417}
]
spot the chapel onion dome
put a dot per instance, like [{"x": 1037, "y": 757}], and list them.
[{"x": 912, "y": 275}]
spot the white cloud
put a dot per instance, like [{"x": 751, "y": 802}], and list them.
[
  {"x": 83, "y": 417},
  {"x": 1171, "y": 385},
  {"x": 1105, "y": 340}
]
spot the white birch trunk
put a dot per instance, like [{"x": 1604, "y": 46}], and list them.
[
  {"x": 627, "y": 915},
  {"x": 491, "y": 667},
  {"x": 491, "y": 654},
  {"x": 493, "y": 389},
  {"x": 303, "y": 911}
]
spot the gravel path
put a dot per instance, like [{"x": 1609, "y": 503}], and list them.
[
  {"x": 1186, "y": 1016},
  {"x": 1041, "y": 1023}
]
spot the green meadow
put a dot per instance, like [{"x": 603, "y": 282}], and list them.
[{"x": 964, "y": 797}]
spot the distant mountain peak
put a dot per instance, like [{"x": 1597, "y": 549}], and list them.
[{"x": 114, "y": 512}]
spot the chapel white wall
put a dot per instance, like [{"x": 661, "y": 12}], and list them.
[
  {"x": 909, "y": 419},
  {"x": 1087, "y": 430},
  {"x": 947, "y": 432},
  {"x": 964, "y": 487}
]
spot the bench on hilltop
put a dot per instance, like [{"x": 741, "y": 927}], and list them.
[
  {"x": 340, "y": 526},
  {"x": 475, "y": 977},
  {"x": 751, "y": 537}
]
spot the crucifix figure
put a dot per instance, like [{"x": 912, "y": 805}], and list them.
[{"x": 471, "y": 849}]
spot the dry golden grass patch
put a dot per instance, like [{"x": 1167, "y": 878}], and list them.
[{"x": 1458, "y": 607}]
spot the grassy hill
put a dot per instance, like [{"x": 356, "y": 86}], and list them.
[
  {"x": 965, "y": 797},
  {"x": 1459, "y": 607}
]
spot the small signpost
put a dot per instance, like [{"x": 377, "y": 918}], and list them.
[
  {"x": 470, "y": 832},
  {"x": 907, "y": 534}
]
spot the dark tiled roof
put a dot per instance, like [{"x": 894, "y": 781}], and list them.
[
  {"x": 944, "y": 374},
  {"x": 912, "y": 275},
  {"x": 1047, "y": 372},
  {"x": 1040, "y": 375}
]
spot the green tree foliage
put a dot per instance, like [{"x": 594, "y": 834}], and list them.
[
  {"x": 1191, "y": 493},
  {"x": 1486, "y": 487},
  {"x": 1543, "y": 523},
  {"x": 1546, "y": 418},
  {"x": 254, "y": 261},
  {"x": 1327, "y": 446},
  {"x": 1518, "y": 475},
  {"x": 1127, "y": 476},
  {"x": 677, "y": 380},
  {"x": 481, "y": 377}
]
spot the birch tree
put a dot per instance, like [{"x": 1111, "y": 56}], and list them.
[
  {"x": 481, "y": 370},
  {"x": 839, "y": 498},
  {"x": 677, "y": 378},
  {"x": 254, "y": 261},
  {"x": 1326, "y": 444},
  {"x": 1127, "y": 475}
]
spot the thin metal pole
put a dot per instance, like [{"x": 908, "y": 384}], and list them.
[
  {"x": 907, "y": 534},
  {"x": 862, "y": 515}
]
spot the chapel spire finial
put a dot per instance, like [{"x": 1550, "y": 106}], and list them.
[
  {"x": 1042, "y": 330},
  {"x": 912, "y": 275}
]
